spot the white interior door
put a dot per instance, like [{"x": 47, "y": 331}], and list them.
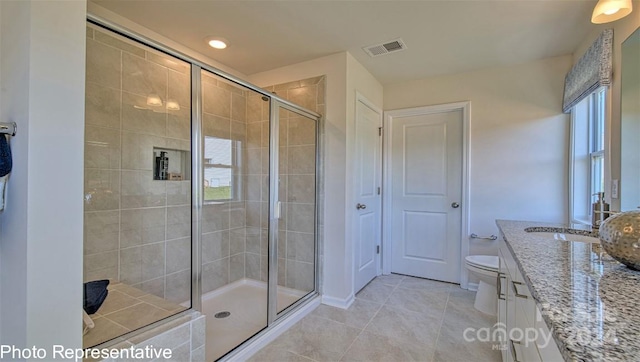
[
  {"x": 367, "y": 181},
  {"x": 426, "y": 184}
]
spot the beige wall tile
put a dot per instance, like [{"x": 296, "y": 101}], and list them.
[
  {"x": 140, "y": 190},
  {"x": 101, "y": 231},
  {"x": 104, "y": 330},
  {"x": 301, "y": 217},
  {"x": 239, "y": 132},
  {"x": 254, "y": 108},
  {"x": 236, "y": 267},
  {"x": 131, "y": 265},
  {"x": 137, "y": 150},
  {"x": 179, "y": 123},
  {"x": 179, "y": 89},
  {"x": 143, "y": 78},
  {"x": 178, "y": 255},
  {"x": 178, "y": 192},
  {"x": 137, "y": 116},
  {"x": 237, "y": 217},
  {"x": 215, "y": 126},
  {"x": 302, "y": 160},
  {"x": 102, "y": 265},
  {"x": 153, "y": 286},
  {"x": 254, "y": 235},
  {"x": 216, "y": 100},
  {"x": 254, "y": 135},
  {"x": 178, "y": 287},
  {"x": 178, "y": 222},
  {"x": 253, "y": 214},
  {"x": 252, "y": 266},
  {"x": 103, "y": 64},
  {"x": 238, "y": 107},
  {"x": 215, "y": 246},
  {"x": 102, "y": 105},
  {"x": 215, "y": 218},
  {"x": 117, "y": 42},
  {"x": 237, "y": 240},
  {"x": 142, "y": 226},
  {"x": 300, "y": 275},
  {"x": 304, "y": 96},
  {"x": 153, "y": 260},
  {"x": 301, "y": 188},
  {"x": 101, "y": 147},
  {"x": 300, "y": 246},
  {"x": 102, "y": 189},
  {"x": 215, "y": 274},
  {"x": 302, "y": 131}
]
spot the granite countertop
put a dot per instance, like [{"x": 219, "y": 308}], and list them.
[{"x": 590, "y": 301}]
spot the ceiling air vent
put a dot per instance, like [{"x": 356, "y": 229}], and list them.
[{"x": 385, "y": 48}]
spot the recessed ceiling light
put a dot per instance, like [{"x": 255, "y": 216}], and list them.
[{"x": 217, "y": 43}]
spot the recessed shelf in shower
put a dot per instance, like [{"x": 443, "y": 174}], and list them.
[{"x": 171, "y": 164}]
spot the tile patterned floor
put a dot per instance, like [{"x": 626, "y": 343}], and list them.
[{"x": 394, "y": 318}]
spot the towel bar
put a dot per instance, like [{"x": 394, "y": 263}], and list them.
[{"x": 8, "y": 128}]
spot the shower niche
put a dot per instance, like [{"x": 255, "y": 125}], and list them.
[{"x": 171, "y": 165}]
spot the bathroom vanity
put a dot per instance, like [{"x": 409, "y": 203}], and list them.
[{"x": 562, "y": 299}]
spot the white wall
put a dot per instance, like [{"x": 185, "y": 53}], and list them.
[
  {"x": 42, "y": 73},
  {"x": 621, "y": 31},
  {"x": 518, "y": 135}
]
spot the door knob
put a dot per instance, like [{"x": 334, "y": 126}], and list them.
[
  {"x": 361, "y": 206},
  {"x": 455, "y": 205}
]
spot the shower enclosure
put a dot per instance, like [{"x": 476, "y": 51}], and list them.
[{"x": 201, "y": 191}]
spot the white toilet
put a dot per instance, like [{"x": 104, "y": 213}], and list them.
[{"x": 485, "y": 268}]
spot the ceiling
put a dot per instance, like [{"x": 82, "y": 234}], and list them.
[{"x": 442, "y": 37}]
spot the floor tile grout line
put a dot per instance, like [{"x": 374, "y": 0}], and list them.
[
  {"x": 370, "y": 319},
  {"x": 444, "y": 313}
]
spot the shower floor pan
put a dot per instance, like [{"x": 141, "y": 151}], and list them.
[{"x": 241, "y": 309}]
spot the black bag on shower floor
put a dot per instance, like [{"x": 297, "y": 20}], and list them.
[{"x": 95, "y": 293}]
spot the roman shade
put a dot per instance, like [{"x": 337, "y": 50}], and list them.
[{"x": 592, "y": 71}]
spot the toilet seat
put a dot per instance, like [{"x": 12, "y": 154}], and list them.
[{"x": 484, "y": 262}]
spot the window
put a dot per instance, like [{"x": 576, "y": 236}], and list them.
[
  {"x": 219, "y": 169},
  {"x": 587, "y": 154}
]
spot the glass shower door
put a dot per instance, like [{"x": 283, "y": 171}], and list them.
[
  {"x": 296, "y": 205},
  {"x": 235, "y": 213}
]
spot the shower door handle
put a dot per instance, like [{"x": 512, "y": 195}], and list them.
[{"x": 277, "y": 210}]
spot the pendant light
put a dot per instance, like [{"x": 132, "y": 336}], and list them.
[{"x": 607, "y": 11}]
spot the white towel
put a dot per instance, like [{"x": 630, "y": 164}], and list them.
[{"x": 3, "y": 186}]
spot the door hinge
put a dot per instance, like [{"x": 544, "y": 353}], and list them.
[
  {"x": 379, "y": 131},
  {"x": 378, "y": 191},
  {"x": 377, "y": 249}
]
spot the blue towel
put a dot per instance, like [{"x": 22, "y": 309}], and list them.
[
  {"x": 95, "y": 293},
  {"x": 5, "y": 156}
]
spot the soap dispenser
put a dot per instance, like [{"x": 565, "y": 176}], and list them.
[{"x": 597, "y": 217}]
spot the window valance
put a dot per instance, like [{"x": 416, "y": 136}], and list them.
[{"x": 592, "y": 71}]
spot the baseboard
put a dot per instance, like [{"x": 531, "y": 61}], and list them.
[
  {"x": 281, "y": 326},
  {"x": 342, "y": 303},
  {"x": 472, "y": 287}
]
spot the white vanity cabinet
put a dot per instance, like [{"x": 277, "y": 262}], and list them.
[{"x": 521, "y": 341}]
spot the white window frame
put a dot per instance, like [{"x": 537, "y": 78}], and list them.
[
  {"x": 234, "y": 167},
  {"x": 583, "y": 142}
]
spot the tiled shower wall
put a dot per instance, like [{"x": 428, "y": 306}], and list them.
[
  {"x": 137, "y": 230},
  {"x": 296, "y": 248}
]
